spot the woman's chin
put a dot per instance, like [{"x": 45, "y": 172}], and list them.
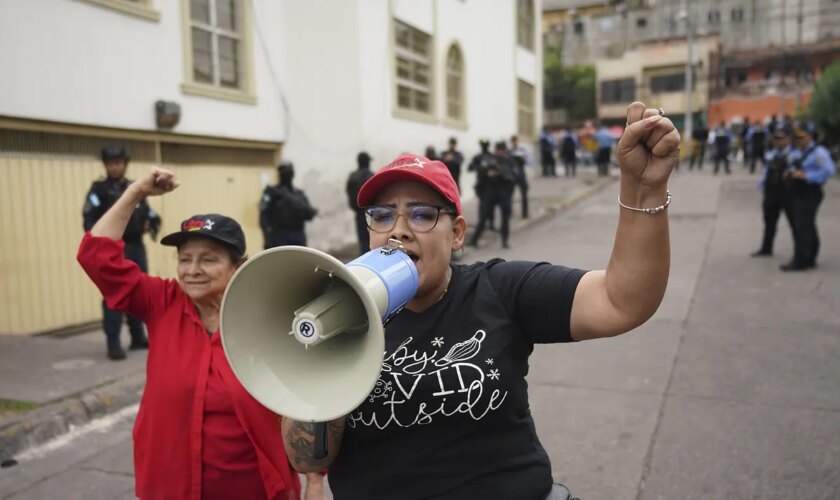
[{"x": 196, "y": 293}]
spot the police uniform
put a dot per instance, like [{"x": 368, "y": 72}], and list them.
[
  {"x": 518, "y": 158},
  {"x": 776, "y": 200},
  {"x": 355, "y": 181},
  {"x": 101, "y": 197},
  {"x": 495, "y": 183},
  {"x": 479, "y": 164},
  {"x": 284, "y": 210},
  {"x": 806, "y": 195}
]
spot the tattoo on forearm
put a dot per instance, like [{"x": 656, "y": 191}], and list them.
[{"x": 300, "y": 438}]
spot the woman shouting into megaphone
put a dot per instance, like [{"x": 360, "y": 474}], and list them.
[
  {"x": 198, "y": 433},
  {"x": 449, "y": 417}
]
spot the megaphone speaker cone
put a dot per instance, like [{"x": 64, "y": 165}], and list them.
[{"x": 303, "y": 332}]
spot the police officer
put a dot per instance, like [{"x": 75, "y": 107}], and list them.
[
  {"x": 605, "y": 143},
  {"x": 519, "y": 160},
  {"x": 811, "y": 170},
  {"x": 102, "y": 195},
  {"x": 453, "y": 159},
  {"x": 354, "y": 183},
  {"x": 758, "y": 144},
  {"x": 479, "y": 164},
  {"x": 773, "y": 183},
  {"x": 699, "y": 138},
  {"x": 723, "y": 146},
  {"x": 547, "y": 146},
  {"x": 497, "y": 179},
  {"x": 568, "y": 152},
  {"x": 284, "y": 210}
]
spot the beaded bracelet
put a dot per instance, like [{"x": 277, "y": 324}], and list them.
[{"x": 651, "y": 211}]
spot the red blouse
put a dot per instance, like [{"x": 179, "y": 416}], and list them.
[{"x": 197, "y": 427}]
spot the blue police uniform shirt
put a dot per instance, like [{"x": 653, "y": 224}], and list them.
[
  {"x": 818, "y": 166},
  {"x": 604, "y": 138}
]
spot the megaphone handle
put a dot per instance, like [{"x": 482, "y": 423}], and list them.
[{"x": 321, "y": 444}]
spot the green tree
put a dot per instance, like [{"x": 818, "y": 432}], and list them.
[
  {"x": 571, "y": 88},
  {"x": 825, "y": 103}
]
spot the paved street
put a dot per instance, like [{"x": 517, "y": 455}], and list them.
[{"x": 731, "y": 391}]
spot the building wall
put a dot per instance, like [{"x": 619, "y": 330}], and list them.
[
  {"x": 762, "y": 23},
  {"x": 324, "y": 86},
  {"x": 651, "y": 59},
  {"x": 757, "y": 84},
  {"x": 45, "y": 173},
  {"x": 87, "y": 76},
  {"x": 737, "y": 109},
  {"x": 91, "y": 65},
  {"x": 356, "y": 102}
]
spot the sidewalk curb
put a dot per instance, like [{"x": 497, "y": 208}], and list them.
[
  {"x": 32, "y": 428},
  {"x": 19, "y": 432}
]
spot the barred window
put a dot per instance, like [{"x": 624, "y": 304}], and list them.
[
  {"x": 216, "y": 38},
  {"x": 526, "y": 106},
  {"x": 414, "y": 69},
  {"x": 525, "y": 24}
]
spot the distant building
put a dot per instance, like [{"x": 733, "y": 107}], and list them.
[
  {"x": 740, "y": 25},
  {"x": 315, "y": 82},
  {"x": 654, "y": 73},
  {"x": 559, "y": 15},
  {"x": 759, "y": 83}
]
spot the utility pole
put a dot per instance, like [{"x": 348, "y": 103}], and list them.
[
  {"x": 784, "y": 61},
  {"x": 800, "y": 63},
  {"x": 688, "y": 126},
  {"x": 689, "y": 77}
]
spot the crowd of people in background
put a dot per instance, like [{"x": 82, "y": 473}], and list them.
[
  {"x": 746, "y": 141},
  {"x": 502, "y": 171}
]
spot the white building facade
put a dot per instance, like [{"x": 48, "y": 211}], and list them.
[
  {"x": 314, "y": 82},
  {"x": 398, "y": 76}
]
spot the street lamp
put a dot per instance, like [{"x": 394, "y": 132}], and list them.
[{"x": 689, "y": 73}]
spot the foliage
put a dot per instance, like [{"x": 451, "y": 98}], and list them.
[
  {"x": 571, "y": 88},
  {"x": 825, "y": 103}
]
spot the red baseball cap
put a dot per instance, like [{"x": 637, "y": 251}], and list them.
[{"x": 409, "y": 167}]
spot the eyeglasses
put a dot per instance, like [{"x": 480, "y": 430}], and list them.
[{"x": 421, "y": 218}]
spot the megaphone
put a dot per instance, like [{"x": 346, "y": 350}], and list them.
[{"x": 304, "y": 332}]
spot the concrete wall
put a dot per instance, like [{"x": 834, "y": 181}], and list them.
[
  {"x": 653, "y": 59},
  {"x": 76, "y": 62}
]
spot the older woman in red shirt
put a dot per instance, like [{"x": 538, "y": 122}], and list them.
[{"x": 198, "y": 434}]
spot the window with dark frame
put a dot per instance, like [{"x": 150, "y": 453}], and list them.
[
  {"x": 714, "y": 16},
  {"x": 737, "y": 15},
  {"x": 414, "y": 68},
  {"x": 216, "y": 37},
  {"x": 674, "y": 82},
  {"x": 454, "y": 84},
  {"x": 526, "y": 108},
  {"x": 641, "y": 23},
  {"x": 525, "y": 24},
  {"x": 618, "y": 91},
  {"x": 578, "y": 27}
]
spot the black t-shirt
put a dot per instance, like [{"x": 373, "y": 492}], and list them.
[{"x": 449, "y": 415}]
